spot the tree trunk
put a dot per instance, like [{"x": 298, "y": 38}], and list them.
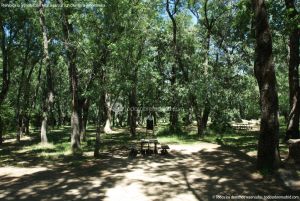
[
  {"x": 174, "y": 104},
  {"x": 198, "y": 114},
  {"x": 97, "y": 143},
  {"x": 268, "y": 144},
  {"x": 133, "y": 111},
  {"x": 5, "y": 74},
  {"x": 100, "y": 118},
  {"x": 5, "y": 65},
  {"x": 1, "y": 131},
  {"x": 48, "y": 92},
  {"x": 59, "y": 112},
  {"x": 128, "y": 113},
  {"x": 85, "y": 113},
  {"x": 107, "y": 110},
  {"x": 26, "y": 124},
  {"x": 19, "y": 113},
  {"x": 80, "y": 106},
  {"x": 293, "y": 119},
  {"x": 71, "y": 59},
  {"x": 133, "y": 103},
  {"x": 200, "y": 127},
  {"x": 205, "y": 116}
]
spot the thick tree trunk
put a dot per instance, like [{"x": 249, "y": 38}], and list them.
[
  {"x": 48, "y": 92},
  {"x": 75, "y": 135},
  {"x": 293, "y": 119},
  {"x": 268, "y": 144},
  {"x": 71, "y": 59}
]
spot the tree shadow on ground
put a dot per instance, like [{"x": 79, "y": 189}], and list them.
[{"x": 199, "y": 174}]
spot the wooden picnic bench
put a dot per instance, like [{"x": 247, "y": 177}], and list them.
[
  {"x": 243, "y": 126},
  {"x": 148, "y": 142}
]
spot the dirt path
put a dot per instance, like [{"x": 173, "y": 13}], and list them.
[{"x": 189, "y": 173}]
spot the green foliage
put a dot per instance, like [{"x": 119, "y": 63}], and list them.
[{"x": 7, "y": 117}]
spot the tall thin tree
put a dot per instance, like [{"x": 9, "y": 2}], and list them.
[
  {"x": 48, "y": 91},
  {"x": 71, "y": 52},
  {"x": 5, "y": 71},
  {"x": 172, "y": 10},
  {"x": 293, "y": 121}
]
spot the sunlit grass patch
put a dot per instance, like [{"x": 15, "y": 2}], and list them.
[{"x": 175, "y": 139}]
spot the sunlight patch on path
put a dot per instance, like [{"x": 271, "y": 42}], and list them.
[{"x": 11, "y": 171}]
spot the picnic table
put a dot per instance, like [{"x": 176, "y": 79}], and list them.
[
  {"x": 243, "y": 126},
  {"x": 148, "y": 142}
]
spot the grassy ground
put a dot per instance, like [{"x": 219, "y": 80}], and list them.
[
  {"x": 245, "y": 141},
  {"x": 29, "y": 152},
  {"x": 193, "y": 169}
]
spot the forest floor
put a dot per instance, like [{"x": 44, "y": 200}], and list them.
[{"x": 193, "y": 170}]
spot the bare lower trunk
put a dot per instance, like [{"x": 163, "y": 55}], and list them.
[
  {"x": 26, "y": 124},
  {"x": 80, "y": 105},
  {"x": 205, "y": 116},
  {"x": 200, "y": 127},
  {"x": 268, "y": 144},
  {"x": 100, "y": 117},
  {"x": 20, "y": 128},
  {"x": 293, "y": 119},
  {"x": 97, "y": 144},
  {"x": 198, "y": 114},
  {"x": 128, "y": 117},
  {"x": 85, "y": 112},
  {"x": 174, "y": 115},
  {"x": 107, "y": 110},
  {"x": 44, "y": 138},
  {"x": 133, "y": 111},
  {"x": 75, "y": 135},
  {"x": 60, "y": 116}
]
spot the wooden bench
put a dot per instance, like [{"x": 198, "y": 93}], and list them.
[
  {"x": 243, "y": 127},
  {"x": 164, "y": 148}
]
